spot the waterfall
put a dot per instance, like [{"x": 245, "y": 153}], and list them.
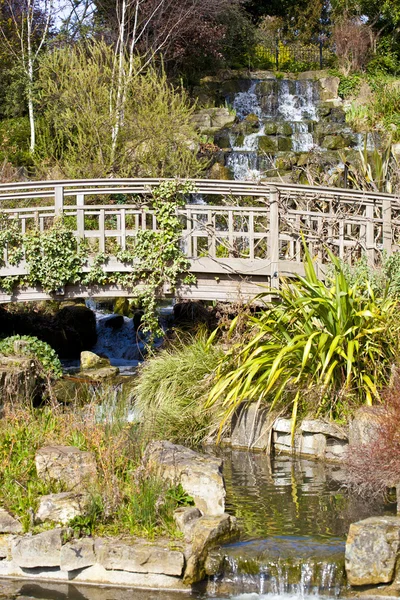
[
  {"x": 292, "y": 103},
  {"x": 281, "y": 567}
]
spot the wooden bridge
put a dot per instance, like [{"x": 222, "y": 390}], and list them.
[{"x": 237, "y": 235}]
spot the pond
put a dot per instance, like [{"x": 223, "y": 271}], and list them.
[{"x": 294, "y": 515}]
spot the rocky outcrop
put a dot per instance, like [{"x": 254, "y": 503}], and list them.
[
  {"x": 19, "y": 379},
  {"x": 199, "y": 475},
  {"x": 8, "y": 524},
  {"x": 67, "y": 465},
  {"x": 68, "y": 330},
  {"x": 61, "y": 508},
  {"x": 139, "y": 557},
  {"x": 78, "y": 554},
  {"x": 365, "y": 425},
  {"x": 252, "y": 427},
  {"x": 41, "y": 550},
  {"x": 212, "y": 119},
  {"x": 372, "y": 550}
]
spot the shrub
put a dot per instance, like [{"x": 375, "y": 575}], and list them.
[
  {"x": 352, "y": 40},
  {"x": 35, "y": 348},
  {"x": 171, "y": 390},
  {"x": 375, "y": 466},
  {"x": 322, "y": 349}
]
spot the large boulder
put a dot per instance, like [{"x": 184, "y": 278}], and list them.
[
  {"x": 61, "y": 508},
  {"x": 90, "y": 360},
  {"x": 365, "y": 425},
  {"x": 19, "y": 379},
  {"x": 140, "y": 557},
  {"x": 41, "y": 550},
  {"x": 206, "y": 533},
  {"x": 66, "y": 464},
  {"x": 8, "y": 524},
  {"x": 199, "y": 475},
  {"x": 372, "y": 549}
]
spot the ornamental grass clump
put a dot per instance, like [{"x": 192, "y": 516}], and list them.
[
  {"x": 172, "y": 388},
  {"x": 322, "y": 348}
]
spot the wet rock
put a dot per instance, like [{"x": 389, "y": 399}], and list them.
[
  {"x": 284, "y": 129},
  {"x": 99, "y": 374},
  {"x": 142, "y": 557},
  {"x": 284, "y": 144},
  {"x": 220, "y": 172},
  {"x": 365, "y": 425},
  {"x": 90, "y": 360},
  {"x": 207, "y": 533},
  {"x": 336, "y": 142},
  {"x": 60, "y": 508},
  {"x": 185, "y": 518},
  {"x": 371, "y": 550},
  {"x": 252, "y": 427},
  {"x": 271, "y": 128},
  {"x": 267, "y": 144},
  {"x": 114, "y": 322},
  {"x": 8, "y": 524},
  {"x": 41, "y": 550},
  {"x": 199, "y": 475},
  {"x": 66, "y": 464},
  {"x": 77, "y": 554}
]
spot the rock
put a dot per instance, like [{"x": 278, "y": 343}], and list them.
[
  {"x": 221, "y": 117},
  {"x": 41, "y": 550},
  {"x": 284, "y": 129},
  {"x": 218, "y": 171},
  {"x": 284, "y": 144},
  {"x": 199, "y": 475},
  {"x": 267, "y": 144},
  {"x": 8, "y": 524},
  {"x": 208, "y": 119},
  {"x": 271, "y": 128},
  {"x": 77, "y": 554},
  {"x": 19, "y": 380},
  {"x": 327, "y": 428},
  {"x": 90, "y": 360},
  {"x": 329, "y": 87},
  {"x": 5, "y": 546},
  {"x": 98, "y": 374},
  {"x": 252, "y": 427},
  {"x": 114, "y": 322},
  {"x": 365, "y": 425},
  {"x": 66, "y": 464},
  {"x": 371, "y": 550},
  {"x": 185, "y": 518},
  {"x": 142, "y": 557},
  {"x": 60, "y": 508},
  {"x": 336, "y": 142},
  {"x": 207, "y": 533}
]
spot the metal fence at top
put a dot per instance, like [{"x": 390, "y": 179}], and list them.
[{"x": 282, "y": 54}]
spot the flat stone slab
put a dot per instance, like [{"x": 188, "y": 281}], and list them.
[
  {"x": 251, "y": 427},
  {"x": 77, "y": 554},
  {"x": 371, "y": 550},
  {"x": 60, "y": 508},
  {"x": 140, "y": 557},
  {"x": 41, "y": 550},
  {"x": 199, "y": 475},
  {"x": 66, "y": 464},
  {"x": 8, "y": 524}
]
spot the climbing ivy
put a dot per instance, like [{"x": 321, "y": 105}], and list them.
[
  {"x": 56, "y": 258},
  {"x": 41, "y": 351}
]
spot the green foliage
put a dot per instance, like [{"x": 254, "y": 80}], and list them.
[
  {"x": 14, "y": 141},
  {"x": 172, "y": 387},
  {"x": 323, "y": 348},
  {"x": 77, "y": 86},
  {"x": 350, "y": 85},
  {"x": 53, "y": 257},
  {"x": 39, "y": 350}
]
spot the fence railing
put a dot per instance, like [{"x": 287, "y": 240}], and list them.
[
  {"x": 280, "y": 55},
  {"x": 257, "y": 230}
]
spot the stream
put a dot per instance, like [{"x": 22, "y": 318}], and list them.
[{"x": 294, "y": 515}]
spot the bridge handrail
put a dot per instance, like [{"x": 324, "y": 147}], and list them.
[{"x": 71, "y": 187}]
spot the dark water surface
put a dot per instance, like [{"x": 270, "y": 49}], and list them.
[{"x": 294, "y": 515}]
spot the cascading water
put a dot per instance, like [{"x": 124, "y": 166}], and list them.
[{"x": 292, "y": 103}]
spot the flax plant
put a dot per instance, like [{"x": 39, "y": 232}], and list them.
[{"x": 322, "y": 348}]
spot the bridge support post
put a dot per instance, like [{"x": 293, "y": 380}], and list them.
[
  {"x": 370, "y": 237},
  {"x": 273, "y": 249},
  {"x": 387, "y": 226},
  {"x": 58, "y": 200}
]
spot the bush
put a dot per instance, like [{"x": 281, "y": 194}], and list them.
[
  {"x": 323, "y": 349},
  {"x": 35, "y": 348},
  {"x": 374, "y": 467},
  {"x": 171, "y": 390}
]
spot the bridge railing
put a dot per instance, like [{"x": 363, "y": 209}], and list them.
[{"x": 256, "y": 230}]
